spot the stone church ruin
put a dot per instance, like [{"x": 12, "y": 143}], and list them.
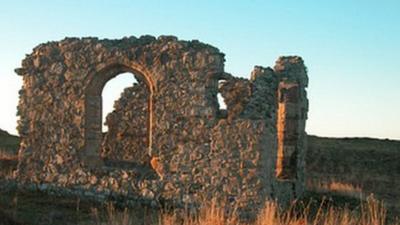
[{"x": 167, "y": 139}]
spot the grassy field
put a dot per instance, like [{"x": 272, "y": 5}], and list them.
[
  {"x": 8, "y": 153},
  {"x": 8, "y": 146},
  {"x": 346, "y": 170},
  {"x": 355, "y": 167}
]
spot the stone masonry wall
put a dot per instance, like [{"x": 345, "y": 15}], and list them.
[
  {"x": 170, "y": 122},
  {"x": 292, "y": 115}
]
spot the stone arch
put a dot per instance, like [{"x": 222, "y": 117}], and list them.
[{"x": 93, "y": 108}]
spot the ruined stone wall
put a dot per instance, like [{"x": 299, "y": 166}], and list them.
[
  {"x": 170, "y": 120},
  {"x": 291, "y": 136},
  {"x": 239, "y": 149}
]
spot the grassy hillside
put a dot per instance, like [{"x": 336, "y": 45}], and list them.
[
  {"x": 355, "y": 167},
  {"x": 343, "y": 156},
  {"x": 8, "y": 145}
]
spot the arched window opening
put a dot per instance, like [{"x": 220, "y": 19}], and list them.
[
  {"x": 126, "y": 141},
  {"x": 118, "y": 125},
  {"x": 222, "y": 107}
]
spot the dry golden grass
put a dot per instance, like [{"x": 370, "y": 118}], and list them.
[
  {"x": 7, "y": 155},
  {"x": 343, "y": 189},
  {"x": 371, "y": 212}
]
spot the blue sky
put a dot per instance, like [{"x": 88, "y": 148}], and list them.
[{"x": 350, "y": 48}]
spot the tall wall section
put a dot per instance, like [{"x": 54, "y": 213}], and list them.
[{"x": 291, "y": 120}]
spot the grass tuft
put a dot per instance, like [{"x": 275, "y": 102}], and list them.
[{"x": 370, "y": 212}]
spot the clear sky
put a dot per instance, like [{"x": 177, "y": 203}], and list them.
[{"x": 351, "y": 48}]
